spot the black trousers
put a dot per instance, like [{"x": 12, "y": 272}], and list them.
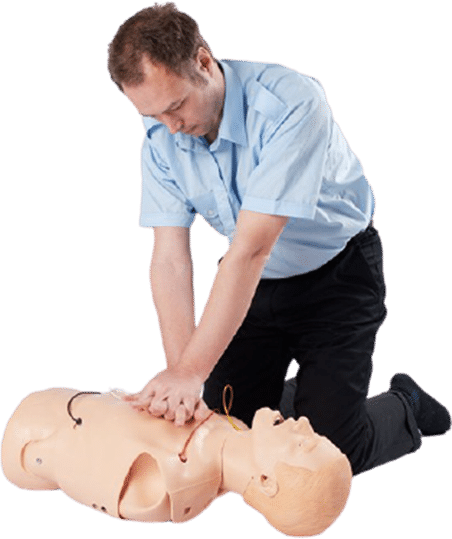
[{"x": 327, "y": 321}]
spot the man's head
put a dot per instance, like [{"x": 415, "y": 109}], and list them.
[
  {"x": 160, "y": 61},
  {"x": 161, "y": 34}
]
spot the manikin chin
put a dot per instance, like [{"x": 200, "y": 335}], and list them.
[{"x": 131, "y": 465}]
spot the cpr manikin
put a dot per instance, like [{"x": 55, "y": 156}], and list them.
[{"x": 131, "y": 465}]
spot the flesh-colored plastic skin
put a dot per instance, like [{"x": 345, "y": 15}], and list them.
[{"x": 127, "y": 463}]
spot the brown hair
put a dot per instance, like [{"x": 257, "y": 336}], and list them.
[{"x": 160, "y": 33}]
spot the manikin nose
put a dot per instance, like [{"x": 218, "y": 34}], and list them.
[{"x": 303, "y": 426}]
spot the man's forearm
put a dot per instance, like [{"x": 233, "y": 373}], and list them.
[
  {"x": 172, "y": 291},
  {"x": 229, "y": 301}
]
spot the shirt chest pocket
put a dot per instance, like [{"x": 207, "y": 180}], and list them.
[{"x": 206, "y": 206}]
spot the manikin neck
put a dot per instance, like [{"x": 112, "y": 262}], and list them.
[{"x": 237, "y": 461}]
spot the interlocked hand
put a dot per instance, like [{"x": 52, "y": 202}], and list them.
[{"x": 172, "y": 394}]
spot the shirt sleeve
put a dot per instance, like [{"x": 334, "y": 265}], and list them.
[
  {"x": 162, "y": 201},
  {"x": 288, "y": 177}
]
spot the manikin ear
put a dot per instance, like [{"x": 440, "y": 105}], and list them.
[{"x": 267, "y": 484}]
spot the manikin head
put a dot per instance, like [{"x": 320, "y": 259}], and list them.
[
  {"x": 302, "y": 480},
  {"x": 126, "y": 463}
]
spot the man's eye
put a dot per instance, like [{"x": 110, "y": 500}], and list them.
[
  {"x": 178, "y": 107},
  {"x": 278, "y": 421}
]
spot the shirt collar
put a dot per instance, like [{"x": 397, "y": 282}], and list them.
[{"x": 232, "y": 125}]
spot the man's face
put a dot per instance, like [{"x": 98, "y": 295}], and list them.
[{"x": 179, "y": 103}]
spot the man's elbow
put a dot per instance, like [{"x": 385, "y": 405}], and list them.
[{"x": 247, "y": 257}]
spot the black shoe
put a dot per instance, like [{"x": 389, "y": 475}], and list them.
[{"x": 431, "y": 417}]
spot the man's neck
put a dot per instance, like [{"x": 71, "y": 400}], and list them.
[{"x": 219, "y": 77}]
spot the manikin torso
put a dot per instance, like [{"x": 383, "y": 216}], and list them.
[
  {"x": 114, "y": 462},
  {"x": 131, "y": 465}
]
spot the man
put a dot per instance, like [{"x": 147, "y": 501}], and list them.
[{"x": 255, "y": 150}]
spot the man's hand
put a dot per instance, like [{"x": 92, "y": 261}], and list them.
[{"x": 173, "y": 394}]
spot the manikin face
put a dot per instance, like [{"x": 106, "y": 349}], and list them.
[
  {"x": 289, "y": 441},
  {"x": 179, "y": 103},
  {"x": 301, "y": 481}
]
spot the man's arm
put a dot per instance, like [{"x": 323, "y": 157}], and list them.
[
  {"x": 232, "y": 291},
  {"x": 174, "y": 392},
  {"x": 171, "y": 276}
]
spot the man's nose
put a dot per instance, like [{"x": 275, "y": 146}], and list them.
[{"x": 173, "y": 125}]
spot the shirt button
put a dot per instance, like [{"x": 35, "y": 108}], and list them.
[{"x": 210, "y": 212}]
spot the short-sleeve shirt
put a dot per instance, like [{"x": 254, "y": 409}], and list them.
[{"x": 279, "y": 152}]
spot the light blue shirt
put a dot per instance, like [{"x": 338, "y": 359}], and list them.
[{"x": 278, "y": 151}]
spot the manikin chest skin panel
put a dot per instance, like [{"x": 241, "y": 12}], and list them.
[{"x": 118, "y": 460}]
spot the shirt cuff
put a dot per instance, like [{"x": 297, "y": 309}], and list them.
[
  {"x": 166, "y": 219},
  {"x": 279, "y": 207}
]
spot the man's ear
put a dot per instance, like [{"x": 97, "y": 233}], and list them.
[
  {"x": 204, "y": 59},
  {"x": 268, "y": 485}
]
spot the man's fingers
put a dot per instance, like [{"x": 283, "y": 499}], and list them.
[
  {"x": 158, "y": 407},
  {"x": 180, "y": 412},
  {"x": 202, "y": 411},
  {"x": 170, "y": 414},
  {"x": 140, "y": 401},
  {"x": 128, "y": 398},
  {"x": 138, "y": 407},
  {"x": 180, "y": 416},
  {"x": 189, "y": 403},
  {"x": 131, "y": 398},
  {"x": 171, "y": 394}
]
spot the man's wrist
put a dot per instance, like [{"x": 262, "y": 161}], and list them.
[{"x": 183, "y": 368}]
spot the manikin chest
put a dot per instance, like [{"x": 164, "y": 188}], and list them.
[{"x": 126, "y": 463}]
